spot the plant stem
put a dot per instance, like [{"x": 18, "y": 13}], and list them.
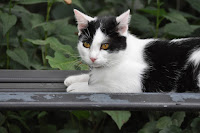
[
  {"x": 45, "y": 49},
  {"x": 8, "y": 39},
  {"x": 157, "y": 18},
  {"x": 8, "y": 45}
]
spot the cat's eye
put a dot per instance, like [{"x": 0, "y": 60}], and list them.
[
  {"x": 105, "y": 46},
  {"x": 86, "y": 45}
]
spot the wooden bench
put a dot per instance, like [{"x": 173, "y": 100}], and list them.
[{"x": 44, "y": 90}]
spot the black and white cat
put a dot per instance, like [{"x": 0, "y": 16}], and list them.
[{"x": 122, "y": 63}]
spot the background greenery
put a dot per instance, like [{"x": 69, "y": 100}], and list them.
[{"x": 42, "y": 34}]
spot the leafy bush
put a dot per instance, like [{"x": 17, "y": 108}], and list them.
[{"x": 42, "y": 34}]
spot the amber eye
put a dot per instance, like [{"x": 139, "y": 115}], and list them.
[
  {"x": 105, "y": 46},
  {"x": 86, "y": 45}
]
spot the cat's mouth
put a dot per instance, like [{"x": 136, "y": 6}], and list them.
[{"x": 96, "y": 66}]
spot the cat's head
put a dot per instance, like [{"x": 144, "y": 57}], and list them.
[{"x": 102, "y": 40}]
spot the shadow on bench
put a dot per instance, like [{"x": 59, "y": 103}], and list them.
[{"x": 44, "y": 90}]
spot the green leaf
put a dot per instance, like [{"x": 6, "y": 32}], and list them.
[
  {"x": 60, "y": 29},
  {"x": 42, "y": 114},
  {"x": 38, "y": 66},
  {"x": 18, "y": 10},
  {"x": 19, "y": 55},
  {"x": 29, "y": 20},
  {"x": 14, "y": 129},
  {"x": 59, "y": 47},
  {"x": 2, "y": 119},
  {"x": 194, "y": 27},
  {"x": 195, "y": 125},
  {"x": 60, "y": 61},
  {"x": 19, "y": 119},
  {"x": 83, "y": 66},
  {"x": 178, "y": 118},
  {"x": 68, "y": 131},
  {"x": 30, "y": 2},
  {"x": 178, "y": 29},
  {"x": 67, "y": 11},
  {"x": 184, "y": 14},
  {"x": 149, "y": 127},
  {"x": 141, "y": 23},
  {"x": 78, "y": 3},
  {"x": 153, "y": 11},
  {"x": 176, "y": 18},
  {"x": 120, "y": 117},
  {"x": 47, "y": 26},
  {"x": 8, "y": 21},
  {"x": 195, "y": 4},
  {"x": 171, "y": 129},
  {"x": 164, "y": 122},
  {"x": 186, "y": 131},
  {"x": 48, "y": 129},
  {"x": 81, "y": 114},
  {"x": 37, "y": 42},
  {"x": 3, "y": 130}
]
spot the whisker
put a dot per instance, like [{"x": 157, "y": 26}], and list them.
[{"x": 88, "y": 32}]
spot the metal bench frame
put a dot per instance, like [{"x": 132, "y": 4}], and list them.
[{"x": 44, "y": 90}]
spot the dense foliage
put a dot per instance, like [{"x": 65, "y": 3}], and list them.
[{"x": 42, "y": 34}]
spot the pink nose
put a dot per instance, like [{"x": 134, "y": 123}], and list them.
[{"x": 93, "y": 59}]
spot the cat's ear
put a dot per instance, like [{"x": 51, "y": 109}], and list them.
[
  {"x": 123, "y": 22},
  {"x": 82, "y": 19}
]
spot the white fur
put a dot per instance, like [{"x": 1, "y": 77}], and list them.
[
  {"x": 195, "y": 59},
  {"x": 123, "y": 75},
  {"x": 78, "y": 78},
  {"x": 179, "y": 40}
]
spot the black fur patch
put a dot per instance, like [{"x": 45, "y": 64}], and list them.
[
  {"x": 108, "y": 26},
  {"x": 169, "y": 69}
]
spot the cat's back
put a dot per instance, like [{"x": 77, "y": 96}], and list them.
[{"x": 172, "y": 65}]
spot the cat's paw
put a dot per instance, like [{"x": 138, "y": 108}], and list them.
[
  {"x": 78, "y": 78},
  {"x": 70, "y": 80},
  {"x": 78, "y": 87}
]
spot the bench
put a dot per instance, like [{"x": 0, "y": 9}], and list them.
[{"x": 44, "y": 90}]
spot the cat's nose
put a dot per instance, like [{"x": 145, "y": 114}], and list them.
[{"x": 93, "y": 59}]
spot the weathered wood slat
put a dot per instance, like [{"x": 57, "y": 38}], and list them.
[
  {"x": 33, "y": 86},
  {"x": 35, "y": 76},
  {"x": 69, "y": 101}
]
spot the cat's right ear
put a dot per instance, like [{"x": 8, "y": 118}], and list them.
[{"x": 82, "y": 19}]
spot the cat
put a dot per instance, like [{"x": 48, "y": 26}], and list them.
[{"x": 123, "y": 63}]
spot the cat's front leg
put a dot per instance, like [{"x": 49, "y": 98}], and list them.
[{"x": 74, "y": 79}]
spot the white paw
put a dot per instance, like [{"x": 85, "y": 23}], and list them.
[
  {"x": 78, "y": 87},
  {"x": 70, "y": 80}
]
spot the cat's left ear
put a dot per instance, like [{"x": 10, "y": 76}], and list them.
[
  {"x": 82, "y": 19},
  {"x": 123, "y": 22}
]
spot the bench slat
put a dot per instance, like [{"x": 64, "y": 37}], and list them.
[
  {"x": 35, "y": 76},
  {"x": 31, "y": 85},
  {"x": 70, "y": 101},
  {"x": 37, "y": 87}
]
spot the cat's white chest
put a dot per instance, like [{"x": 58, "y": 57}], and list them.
[{"x": 126, "y": 77}]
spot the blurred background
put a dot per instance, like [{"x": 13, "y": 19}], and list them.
[{"x": 42, "y": 35}]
